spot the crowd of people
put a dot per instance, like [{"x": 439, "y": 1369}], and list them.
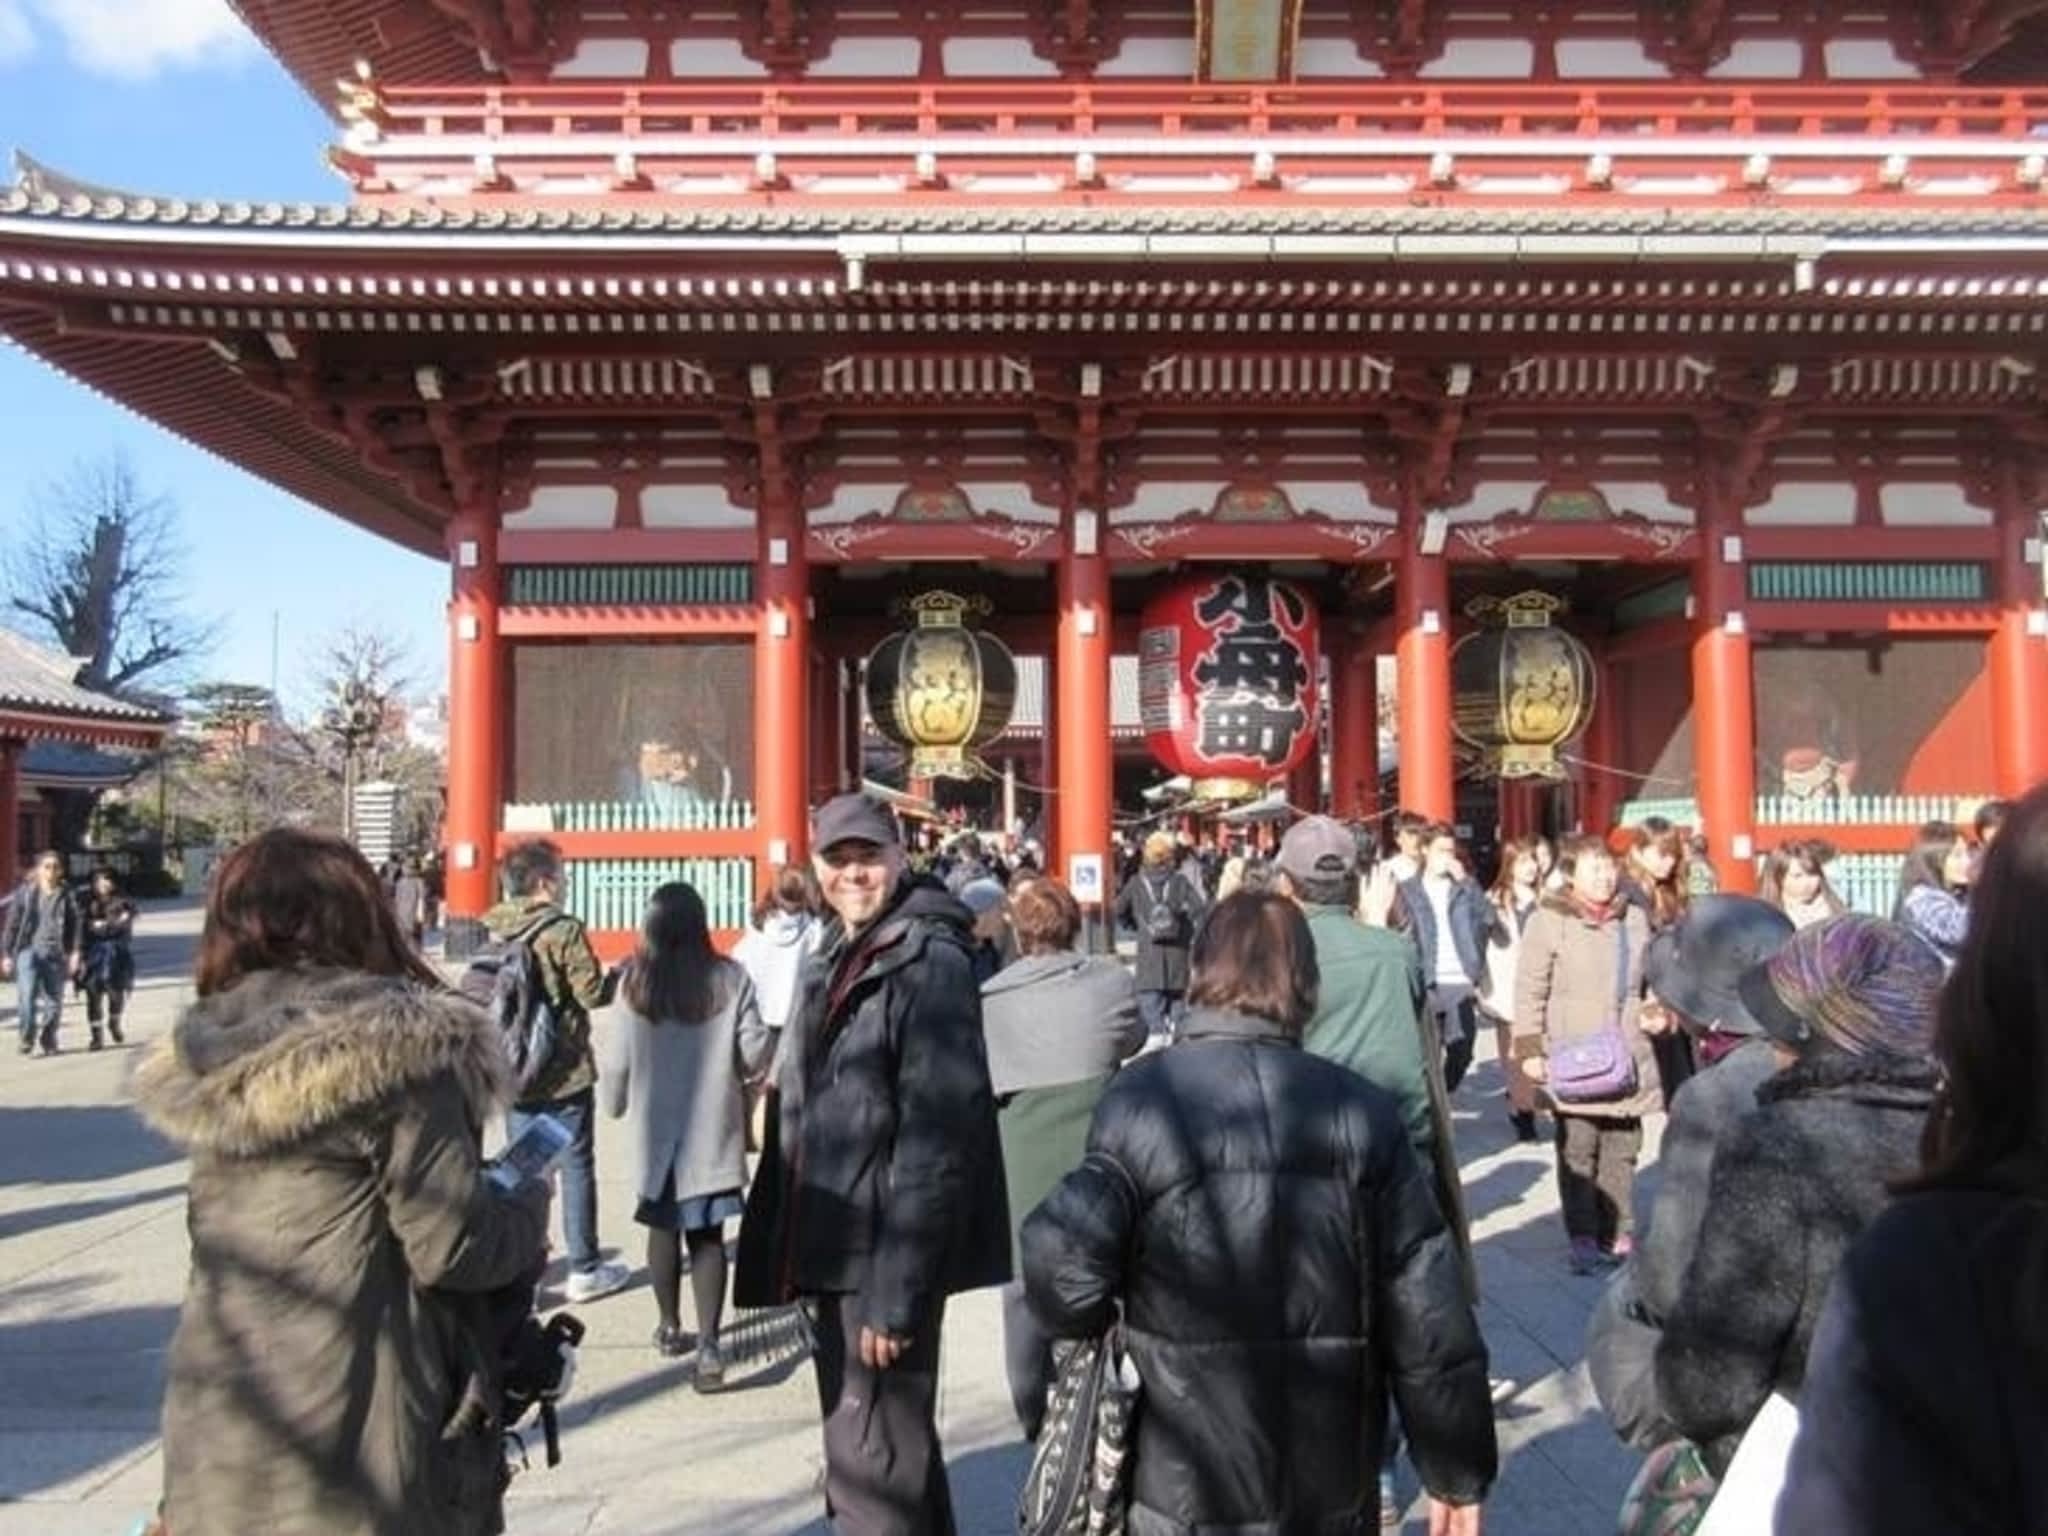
[{"x": 1230, "y": 1161}]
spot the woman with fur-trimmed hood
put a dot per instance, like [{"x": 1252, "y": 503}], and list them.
[{"x": 332, "y": 1373}]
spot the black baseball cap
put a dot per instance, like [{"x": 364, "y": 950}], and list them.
[{"x": 853, "y": 818}]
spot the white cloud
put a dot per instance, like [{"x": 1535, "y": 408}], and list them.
[
  {"x": 127, "y": 39},
  {"x": 17, "y": 40}
]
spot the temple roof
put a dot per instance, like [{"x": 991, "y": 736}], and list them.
[
  {"x": 320, "y": 41},
  {"x": 78, "y": 207},
  {"x": 62, "y": 765},
  {"x": 35, "y": 678}
]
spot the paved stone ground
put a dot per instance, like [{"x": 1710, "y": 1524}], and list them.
[{"x": 92, "y": 1267}]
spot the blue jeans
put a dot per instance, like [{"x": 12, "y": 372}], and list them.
[
  {"x": 1160, "y": 1012},
  {"x": 39, "y": 980},
  {"x": 578, "y": 1170}
]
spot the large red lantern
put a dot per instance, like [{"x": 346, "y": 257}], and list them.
[{"x": 1227, "y": 683}]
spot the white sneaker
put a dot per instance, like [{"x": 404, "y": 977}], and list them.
[{"x": 589, "y": 1284}]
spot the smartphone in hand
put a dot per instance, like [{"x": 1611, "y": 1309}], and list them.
[{"x": 533, "y": 1153}]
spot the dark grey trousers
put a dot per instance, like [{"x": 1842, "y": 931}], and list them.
[
  {"x": 885, "y": 1474},
  {"x": 1596, "y": 1176}
]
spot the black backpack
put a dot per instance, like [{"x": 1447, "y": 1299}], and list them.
[
  {"x": 504, "y": 979},
  {"x": 1163, "y": 921}
]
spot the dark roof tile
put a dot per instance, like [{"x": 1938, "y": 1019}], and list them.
[{"x": 34, "y": 677}]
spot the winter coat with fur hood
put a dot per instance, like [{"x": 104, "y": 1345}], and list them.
[
  {"x": 1793, "y": 1186},
  {"x": 329, "y": 1366}
]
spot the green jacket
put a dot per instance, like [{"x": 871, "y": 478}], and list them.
[
  {"x": 1369, "y": 1018},
  {"x": 574, "y": 980},
  {"x": 1044, "y": 1133},
  {"x": 1366, "y": 1013}
]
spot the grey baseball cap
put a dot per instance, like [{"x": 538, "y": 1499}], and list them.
[
  {"x": 853, "y": 818},
  {"x": 1318, "y": 848}
]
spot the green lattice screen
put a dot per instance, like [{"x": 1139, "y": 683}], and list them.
[
  {"x": 628, "y": 586},
  {"x": 1868, "y": 581}
]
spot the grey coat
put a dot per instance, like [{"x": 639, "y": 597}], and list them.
[
  {"x": 1621, "y": 1343},
  {"x": 333, "y": 1352},
  {"x": 1054, "y": 1019},
  {"x": 681, "y": 1086}
]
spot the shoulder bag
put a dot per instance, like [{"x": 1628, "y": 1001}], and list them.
[
  {"x": 1080, "y": 1478},
  {"x": 1599, "y": 1067}
]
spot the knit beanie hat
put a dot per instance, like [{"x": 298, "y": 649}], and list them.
[{"x": 1855, "y": 984}]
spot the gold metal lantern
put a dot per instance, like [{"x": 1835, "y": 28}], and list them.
[
  {"x": 1523, "y": 689},
  {"x": 942, "y": 689}
]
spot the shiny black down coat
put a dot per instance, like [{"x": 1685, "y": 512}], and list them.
[{"x": 1282, "y": 1265}]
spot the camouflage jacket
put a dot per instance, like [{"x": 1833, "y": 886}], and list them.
[{"x": 574, "y": 980}]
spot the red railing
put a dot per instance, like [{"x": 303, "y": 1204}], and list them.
[{"x": 1143, "y": 110}]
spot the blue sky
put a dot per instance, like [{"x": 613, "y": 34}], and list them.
[{"x": 170, "y": 96}]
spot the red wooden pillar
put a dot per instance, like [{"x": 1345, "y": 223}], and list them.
[
  {"x": 1599, "y": 790},
  {"x": 1081, "y": 705},
  {"x": 1049, "y": 764},
  {"x": 476, "y": 712},
  {"x": 1354, "y": 728},
  {"x": 10, "y": 811},
  {"x": 2018, "y": 653},
  {"x": 1723, "y": 697},
  {"x": 782, "y": 648},
  {"x": 1423, "y": 658}
]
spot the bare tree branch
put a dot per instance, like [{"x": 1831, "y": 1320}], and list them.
[{"x": 97, "y": 570}]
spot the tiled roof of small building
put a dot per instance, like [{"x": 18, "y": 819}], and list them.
[
  {"x": 34, "y": 677},
  {"x": 65, "y": 763}
]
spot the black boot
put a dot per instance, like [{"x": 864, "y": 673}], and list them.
[
  {"x": 114, "y": 1029},
  {"x": 49, "y": 1040},
  {"x": 98, "y": 1041}
]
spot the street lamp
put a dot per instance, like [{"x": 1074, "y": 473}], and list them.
[{"x": 354, "y": 719}]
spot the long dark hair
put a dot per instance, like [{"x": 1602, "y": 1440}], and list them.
[
  {"x": 674, "y": 974},
  {"x": 288, "y": 898},
  {"x": 1809, "y": 852},
  {"x": 1989, "y": 1126},
  {"x": 1926, "y": 861}
]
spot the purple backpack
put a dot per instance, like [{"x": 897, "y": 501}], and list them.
[{"x": 1597, "y": 1067}]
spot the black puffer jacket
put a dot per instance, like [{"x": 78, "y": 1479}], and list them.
[
  {"x": 1282, "y": 1265},
  {"x": 1793, "y": 1186},
  {"x": 885, "y": 1177}
]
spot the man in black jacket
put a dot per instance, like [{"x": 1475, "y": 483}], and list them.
[
  {"x": 881, "y": 1193},
  {"x": 42, "y": 945}
]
